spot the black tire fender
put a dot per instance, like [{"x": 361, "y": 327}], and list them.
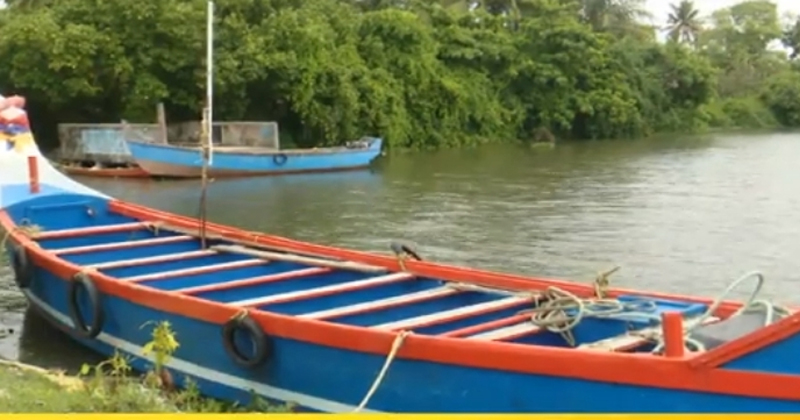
[
  {"x": 263, "y": 343},
  {"x": 80, "y": 327},
  {"x": 280, "y": 159},
  {"x": 23, "y": 270}
]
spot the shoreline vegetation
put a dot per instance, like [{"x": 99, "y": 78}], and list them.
[
  {"x": 112, "y": 387},
  {"x": 421, "y": 74}
]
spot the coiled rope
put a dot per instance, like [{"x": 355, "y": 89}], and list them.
[{"x": 561, "y": 311}]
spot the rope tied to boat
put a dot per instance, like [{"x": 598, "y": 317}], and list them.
[
  {"x": 602, "y": 282},
  {"x": 534, "y": 295},
  {"x": 25, "y": 227},
  {"x": 397, "y": 344},
  {"x": 561, "y": 311},
  {"x": 240, "y": 315},
  {"x": 87, "y": 271},
  {"x": 403, "y": 252}
]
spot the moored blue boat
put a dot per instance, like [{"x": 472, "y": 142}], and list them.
[
  {"x": 187, "y": 162},
  {"x": 328, "y": 325}
]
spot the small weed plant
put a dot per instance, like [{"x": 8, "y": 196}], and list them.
[{"x": 114, "y": 387}]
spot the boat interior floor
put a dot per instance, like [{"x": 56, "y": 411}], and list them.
[{"x": 159, "y": 257}]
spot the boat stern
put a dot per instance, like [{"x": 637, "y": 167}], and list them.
[{"x": 372, "y": 146}]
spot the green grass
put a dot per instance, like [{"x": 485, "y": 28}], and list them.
[{"x": 24, "y": 390}]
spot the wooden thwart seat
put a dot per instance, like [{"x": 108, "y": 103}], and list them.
[
  {"x": 320, "y": 262},
  {"x": 121, "y": 245},
  {"x": 389, "y": 302},
  {"x": 203, "y": 269},
  {"x": 507, "y": 333},
  {"x": 152, "y": 260},
  {"x": 252, "y": 281},
  {"x": 90, "y": 230},
  {"x": 632, "y": 339},
  {"x": 454, "y": 314},
  {"x": 486, "y": 326},
  {"x": 325, "y": 290}
]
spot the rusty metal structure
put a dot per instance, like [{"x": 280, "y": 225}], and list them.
[{"x": 104, "y": 144}]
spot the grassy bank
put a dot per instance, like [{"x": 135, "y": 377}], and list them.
[
  {"x": 112, "y": 386},
  {"x": 25, "y": 388}
]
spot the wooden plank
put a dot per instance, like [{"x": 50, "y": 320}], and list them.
[
  {"x": 89, "y": 230},
  {"x": 325, "y": 290},
  {"x": 389, "y": 302},
  {"x": 632, "y": 339},
  {"x": 507, "y": 333},
  {"x": 479, "y": 328},
  {"x": 152, "y": 260},
  {"x": 277, "y": 256},
  {"x": 286, "y": 275},
  {"x": 121, "y": 245},
  {"x": 455, "y": 314},
  {"x": 191, "y": 271},
  {"x": 229, "y": 237}
]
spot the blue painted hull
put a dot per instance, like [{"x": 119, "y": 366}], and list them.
[
  {"x": 172, "y": 161},
  {"x": 326, "y": 379}
]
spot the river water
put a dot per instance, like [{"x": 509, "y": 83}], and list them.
[{"x": 679, "y": 215}]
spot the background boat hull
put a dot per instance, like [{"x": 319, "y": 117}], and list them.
[{"x": 170, "y": 161}]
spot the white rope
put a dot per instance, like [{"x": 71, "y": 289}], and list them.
[
  {"x": 561, "y": 311},
  {"x": 751, "y": 303},
  {"x": 492, "y": 290},
  {"x": 396, "y": 345}
]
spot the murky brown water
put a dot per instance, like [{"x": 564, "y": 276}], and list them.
[{"x": 683, "y": 215}]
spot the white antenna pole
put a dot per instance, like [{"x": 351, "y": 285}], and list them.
[
  {"x": 208, "y": 117},
  {"x": 210, "y": 79}
]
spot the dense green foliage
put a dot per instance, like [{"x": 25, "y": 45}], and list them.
[{"x": 420, "y": 73}]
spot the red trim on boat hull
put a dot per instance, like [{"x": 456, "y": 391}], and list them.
[
  {"x": 622, "y": 368},
  {"x": 133, "y": 172}
]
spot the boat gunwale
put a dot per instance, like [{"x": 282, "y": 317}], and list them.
[{"x": 636, "y": 369}]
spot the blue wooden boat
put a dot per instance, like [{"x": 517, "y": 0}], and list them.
[
  {"x": 337, "y": 330},
  {"x": 187, "y": 162}
]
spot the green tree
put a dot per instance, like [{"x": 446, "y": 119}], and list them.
[{"x": 421, "y": 74}]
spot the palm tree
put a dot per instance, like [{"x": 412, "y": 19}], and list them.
[{"x": 683, "y": 23}]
